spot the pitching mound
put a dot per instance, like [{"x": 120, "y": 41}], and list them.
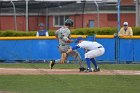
[{"x": 25, "y": 71}]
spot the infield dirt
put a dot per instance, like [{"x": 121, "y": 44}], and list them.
[{"x": 25, "y": 71}]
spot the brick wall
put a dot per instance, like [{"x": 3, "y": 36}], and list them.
[
  {"x": 127, "y": 2},
  {"x": 7, "y": 22},
  {"x": 106, "y": 20}
]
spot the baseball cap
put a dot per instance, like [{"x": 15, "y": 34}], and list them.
[
  {"x": 125, "y": 23},
  {"x": 41, "y": 24},
  {"x": 78, "y": 39}
]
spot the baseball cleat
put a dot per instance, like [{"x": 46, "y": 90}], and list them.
[
  {"x": 52, "y": 62},
  {"x": 96, "y": 70},
  {"x": 88, "y": 70}
]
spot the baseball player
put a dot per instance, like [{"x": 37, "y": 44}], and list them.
[
  {"x": 94, "y": 49},
  {"x": 63, "y": 36}
]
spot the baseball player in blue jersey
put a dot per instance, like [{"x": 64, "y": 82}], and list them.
[
  {"x": 94, "y": 49},
  {"x": 63, "y": 36}
]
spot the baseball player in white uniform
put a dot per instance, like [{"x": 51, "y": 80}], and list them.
[{"x": 94, "y": 49}]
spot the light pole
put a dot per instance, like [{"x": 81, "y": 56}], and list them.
[
  {"x": 118, "y": 15},
  {"x": 137, "y": 12},
  {"x": 15, "y": 19},
  {"x": 117, "y": 38},
  {"x": 98, "y": 16},
  {"x": 27, "y": 16}
]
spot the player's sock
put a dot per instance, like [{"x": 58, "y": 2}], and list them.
[
  {"x": 88, "y": 62},
  {"x": 94, "y": 62}
]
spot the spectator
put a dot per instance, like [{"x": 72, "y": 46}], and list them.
[
  {"x": 125, "y": 30},
  {"x": 42, "y": 31}
]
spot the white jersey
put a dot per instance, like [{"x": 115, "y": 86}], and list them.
[
  {"x": 93, "y": 49},
  {"x": 88, "y": 45}
]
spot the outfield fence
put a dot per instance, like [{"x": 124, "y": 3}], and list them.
[{"x": 46, "y": 48}]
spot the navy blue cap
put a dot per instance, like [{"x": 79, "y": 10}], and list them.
[
  {"x": 41, "y": 24},
  {"x": 78, "y": 39}
]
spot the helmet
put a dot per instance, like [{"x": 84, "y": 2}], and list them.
[
  {"x": 41, "y": 24},
  {"x": 69, "y": 22}
]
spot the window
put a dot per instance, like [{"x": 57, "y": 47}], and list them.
[
  {"x": 56, "y": 20},
  {"x": 59, "y": 20},
  {"x": 62, "y": 20},
  {"x": 91, "y": 23}
]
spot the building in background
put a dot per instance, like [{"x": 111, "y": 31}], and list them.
[{"x": 53, "y": 14}]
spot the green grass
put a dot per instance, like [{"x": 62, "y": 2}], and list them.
[
  {"x": 69, "y": 84},
  {"x": 70, "y": 66}
]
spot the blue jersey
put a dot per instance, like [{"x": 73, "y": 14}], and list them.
[{"x": 42, "y": 33}]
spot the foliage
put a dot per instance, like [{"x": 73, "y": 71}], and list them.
[
  {"x": 78, "y": 31},
  {"x": 136, "y": 30},
  {"x": 51, "y": 33},
  {"x": 16, "y": 33}
]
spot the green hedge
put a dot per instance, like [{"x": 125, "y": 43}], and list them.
[
  {"x": 136, "y": 30},
  {"x": 92, "y": 31},
  {"x": 80, "y": 31},
  {"x": 16, "y": 33}
]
